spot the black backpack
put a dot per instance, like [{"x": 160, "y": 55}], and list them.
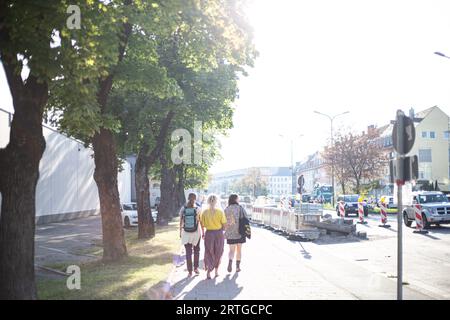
[{"x": 190, "y": 219}]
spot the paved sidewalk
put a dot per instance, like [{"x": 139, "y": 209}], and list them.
[
  {"x": 267, "y": 273},
  {"x": 274, "y": 268}
]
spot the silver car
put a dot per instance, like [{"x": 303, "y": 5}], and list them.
[{"x": 435, "y": 209}]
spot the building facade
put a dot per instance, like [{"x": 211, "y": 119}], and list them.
[
  {"x": 314, "y": 170},
  {"x": 432, "y": 146},
  {"x": 66, "y": 188},
  {"x": 278, "y": 180}
]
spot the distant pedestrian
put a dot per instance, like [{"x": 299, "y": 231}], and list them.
[
  {"x": 191, "y": 232},
  {"x": 213, "y": 220},
  {"x": 233, "y": 213}
]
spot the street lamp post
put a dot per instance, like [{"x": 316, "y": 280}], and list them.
[
  {"x": 293, "y": 188},
  {"x": 448, "y": 128},
  {"x": 331, "y": 144}
]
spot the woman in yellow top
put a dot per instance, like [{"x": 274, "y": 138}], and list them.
[{"x": 213, "y": 220}]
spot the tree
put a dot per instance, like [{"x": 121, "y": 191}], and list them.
[
  {"x": 252, "y": 183},
  {"x": 73, "y": 73},
  {"x": 202, "y": 38},
  {"x": 34, "y": 38},
  {"x": 356, "y": 159},
  {"x": 336, "y": 155}
]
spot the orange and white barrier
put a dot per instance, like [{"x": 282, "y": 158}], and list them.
[
  {"x": 383, "y": 212},
  {"x": 418, "y": 215},
  {"x": 342, "y": 209},
  {"x": 361, "y": 212}
]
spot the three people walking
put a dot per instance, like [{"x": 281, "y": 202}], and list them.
[{"x": 219, "y": 226}]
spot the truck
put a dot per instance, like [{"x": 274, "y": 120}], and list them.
[{"x": 323, "y": 193}]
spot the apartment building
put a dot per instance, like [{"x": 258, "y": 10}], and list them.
[
  {"x": 432, "y": 146},
  {"x": 314, "y": 170}
]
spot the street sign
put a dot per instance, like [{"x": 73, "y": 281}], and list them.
[
  {"x": 301, "y": 182},
  {"x": 410, "y": 169},
  {"x": 409, "y": 135}
]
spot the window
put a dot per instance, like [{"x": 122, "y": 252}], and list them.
[
  {"x": 424, "y": 134},
  {"x": 431, "y": 198},
  {"x": 446, "y": 135},
  {"x": 432, "y": 135},
  {"x": 424, "y": 155}
]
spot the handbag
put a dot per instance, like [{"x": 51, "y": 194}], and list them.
[{"x": 244, "y": 225}]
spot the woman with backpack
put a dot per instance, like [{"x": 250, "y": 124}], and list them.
[
  {"x": 191, "y": 232},
  {"x": 234, "y": 212},
  {"x": 213, "y": 220}
]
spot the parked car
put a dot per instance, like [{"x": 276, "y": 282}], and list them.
[
  {"x": 157, "y": 202},
  {"x": 389, "y": 201},
  {"x": 130, "y": 215},
  {"x": 351, "y": 205},
  {"x": 306, "y": 198},
  {"x": 435, "y": 208}
]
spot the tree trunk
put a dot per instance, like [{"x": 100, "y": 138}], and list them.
[
  {"x": 343, "y": 187},
  {"x": 19, "y": 174},
  {"x": 169, "y": 196},
  {"x": 164, "y": 205},
  {"x": 105, "y": 175},
  {"x": 180, "y": 185},
  {"x": 174, "y": 194},
  {"x": 358, "y": 186},
  {"x": 146, "y": 226}
]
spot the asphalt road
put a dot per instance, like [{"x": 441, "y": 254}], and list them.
[
  {"x": 426, "y": 257},
  {"x": 63, "y": 242}
]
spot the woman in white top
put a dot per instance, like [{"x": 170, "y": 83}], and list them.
[{"x": 191, "y": 232}]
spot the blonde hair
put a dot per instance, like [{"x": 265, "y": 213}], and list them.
[{"x": 212, "y": 202}]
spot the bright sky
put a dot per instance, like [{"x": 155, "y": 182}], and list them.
[{"x": 366, "y": 57}]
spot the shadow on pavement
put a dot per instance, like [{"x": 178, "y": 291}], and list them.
[
  {"x": 227, "y": 289},
  {"x": 303, "y": 251},
  {"x": 439, "y": 229},
  {"x": 336, "y": 239}
]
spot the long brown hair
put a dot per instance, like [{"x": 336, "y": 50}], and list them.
[{"x": 232, "y": 199}]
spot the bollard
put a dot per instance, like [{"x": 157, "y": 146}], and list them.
[
  {"x": 361, "y": 213},
  {"x": 383, "y": 214},
  {"x": 419, "y": 220},
  {"x": 342, "y": 209}
]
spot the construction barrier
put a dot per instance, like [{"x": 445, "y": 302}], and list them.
[
  {"x": 309, "y": 208},
  {"x": 361, "y": 212},
  {"x": 342, "y": 209},
  {"x": 288, "y": 221},
  {"x": 419, "y": 219},
  {"x": 383, "y": 214}
]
